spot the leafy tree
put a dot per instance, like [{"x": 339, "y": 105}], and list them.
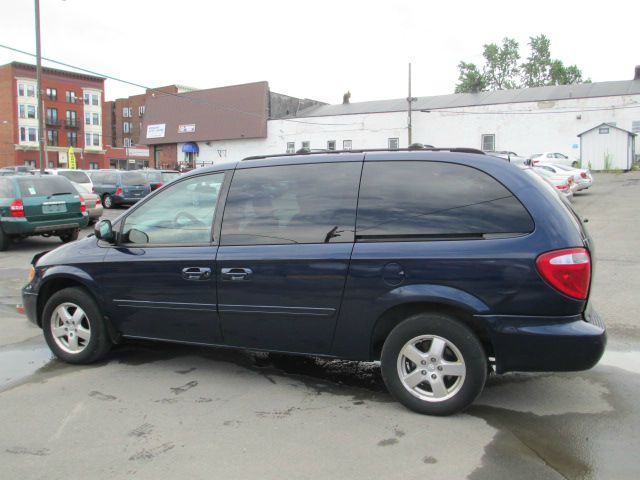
[
  {"x": 471, "y": 80},
  {"x": 502, "y": 69}
]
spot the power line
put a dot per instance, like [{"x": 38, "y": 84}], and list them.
[{"x": 155, "y": 90}]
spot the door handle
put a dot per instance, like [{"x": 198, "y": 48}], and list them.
[
  {"x": 235, "y": 274},
  {"x": 196, "y": 273}
]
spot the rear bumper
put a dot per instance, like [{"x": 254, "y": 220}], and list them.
[
  {"x": 22, "y": 225},
  {"x": 547, "y": 344}
]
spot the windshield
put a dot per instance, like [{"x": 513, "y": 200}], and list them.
[
  {"x": 45, "y": 186},
  {"x": 77, "y": 176},
  {"x": 133, "y": 178}
]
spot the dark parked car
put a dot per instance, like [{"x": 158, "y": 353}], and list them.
[
  {"x": 39, "y": 205},
  {"x": 443, "y": 265},
  {"x": 119, "y": 187},
  {"x": 157, "y": 178}
]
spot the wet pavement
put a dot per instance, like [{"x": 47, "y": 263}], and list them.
[{"x": 165, "y": 411}]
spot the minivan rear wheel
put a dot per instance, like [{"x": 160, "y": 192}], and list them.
[
  {"x": 107, "y": 201},
  {"x": 74, "y": 328},
  {"x": 433, "y": 364}
]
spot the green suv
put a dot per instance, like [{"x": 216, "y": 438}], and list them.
[{"x": 40, "y": 205}]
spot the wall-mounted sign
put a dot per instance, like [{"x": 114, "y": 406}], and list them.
[
  {"x": 156, "y": 131},
  {"x": 603, "y": 130},
  {"x": 187, "y": 128},
  {"x": 137, "y": 152}
]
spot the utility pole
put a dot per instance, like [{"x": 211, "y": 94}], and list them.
[
  {"x": 39, "y": 96},
  {"x": 410, "y": 100}
]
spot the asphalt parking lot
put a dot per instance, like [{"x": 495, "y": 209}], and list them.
[{"x": 165, "y": 412}]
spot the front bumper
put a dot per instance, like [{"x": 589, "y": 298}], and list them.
[
  {"x": 547, "y": 344},
  {"x": 30, "y": 303}
]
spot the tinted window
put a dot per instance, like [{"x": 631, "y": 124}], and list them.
[
  {"x": 182, "y": 214},
  {"x": 45, "y": 186},
  {"x": 168, "y": 176},
  {"x": 77, "y": 176},
  {"x": 432, "y": 199},
  {"x": 154, "y": 177},
  {"x": 133, "y": 178},
  {"x": 292, "y": 204},
  {"x": 6, "y": 188}
]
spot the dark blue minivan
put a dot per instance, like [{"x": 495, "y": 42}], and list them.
[
  {"x": 443, "y": 265},
  {"x": 119, "y": 187}
]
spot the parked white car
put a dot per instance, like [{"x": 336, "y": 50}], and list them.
[
  {"x": 512, "y": 157},
  {"x": 562, "y": 182},
  {"x": 76, "y": 176},
  {"x": 556, "y": 158},
  {"x": 581, "y": 176}
]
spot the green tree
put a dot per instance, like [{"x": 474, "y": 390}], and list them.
[
  {"x": 471, "y": 79},
  {"x": 502, "y": 69}
]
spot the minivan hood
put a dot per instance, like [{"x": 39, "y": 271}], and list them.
[{"x": 70, "y": 253}]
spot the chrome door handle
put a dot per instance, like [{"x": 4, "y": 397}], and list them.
[
  {"x": 235, "y": 274},
  {"x": 196, "y": 273}
]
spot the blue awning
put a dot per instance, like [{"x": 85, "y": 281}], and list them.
[{"x": 190, "y": 148}]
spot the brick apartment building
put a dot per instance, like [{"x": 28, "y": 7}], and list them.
[
  {"x": 123, "y": 127},
  {"x": 73, "y": 117}
]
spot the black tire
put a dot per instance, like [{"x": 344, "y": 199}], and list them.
[
  {"x": 575, "y": 164},
  {"x": 5, "y": 240},
  {"x": 98, "y": 344},
  {"x": 70, "y": 235},
  {"x": 458, "y": 391},
  {"x": 107, "y": 201}
]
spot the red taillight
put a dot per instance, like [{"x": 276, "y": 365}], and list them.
[
  {"x": 119, "y": 191},
  {"x": 583, "y": 174},
  {"x": 568, "y": 271},
  {"x": 83, "y": 205},
  {"x": 98, "y": 202},
  {"x": 17, "y": 208},
  {"x": 562, "y": 187}
]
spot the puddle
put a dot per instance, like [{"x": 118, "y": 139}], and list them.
[{"x": 20, "y": 361}]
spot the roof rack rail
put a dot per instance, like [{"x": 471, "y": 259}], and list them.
[{"x": 412, "y": 148}]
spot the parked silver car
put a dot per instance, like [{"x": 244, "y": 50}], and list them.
[
  {"x": 562, "y": 182},
  {"x": 92, "y": 202}
]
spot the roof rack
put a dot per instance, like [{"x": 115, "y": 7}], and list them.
[{"x": 366, "y": 150}]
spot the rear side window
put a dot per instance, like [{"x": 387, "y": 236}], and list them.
[
  {"x": 153, "y": 176},
  {"x": 420, "y": 200},
  {"x": 45, "y": 186},
  {"x": 75, "y": 176},
  {"x": 133, "y": 178},
  {"x": 6, "y": 188},
  {"x": 289, "y": 204}
]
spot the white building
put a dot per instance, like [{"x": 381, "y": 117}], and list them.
[
  {"x": 606, "y": 147},
  {"x": 525, "y": 121}
]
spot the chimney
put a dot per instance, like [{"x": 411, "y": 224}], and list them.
[
  {"x": 637, "y": 75},
  {"x": 346, "y": 97}
]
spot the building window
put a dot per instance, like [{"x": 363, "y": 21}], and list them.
[
  {"x": 70, "y": 96},
  {"x": 21, "y": 90},
  {"x": 394, "y": 143},
  {"x": 31, "y": 91},
  {"x": 126, "y": 127},
  {"x": 635, "y": 126},
  {"x": 141, "y": 111},
  {"x": 306, "y": 144},
  {"x": 30, "y": 163},
  {"x": 52, "y": 94},
  {"x": 22, "y": 111},
  {"x": 92, "y": 139},
  {"x": 87, "y": 118},
  {"x": 93, "y": 166},
  {"x": 72, "y": 139},
  {"x": 72, "y": 118},
  {"x": 52, "y": 116},
  {"x": 52, "y": 137},
  {"x": 291, "y": 147},
  {"x": 489, "y": 142},
  {"x": 96, "y": 118},
  {"x": 346, "y": 144},
  {"x": 91, "y": 98},
  {"x": 28, "y": 134},
  {"x": 27, "y": 111},
  {"x": 127, "y": 142},
  {"x": 51, "y": 165},
  {"x": 331, "y": 144},
  {"x": 126, "y": 112}
]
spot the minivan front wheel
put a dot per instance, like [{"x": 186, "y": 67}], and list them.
[
  {"x": 74, "y": 327},
  {"x": 433, "y": 364}
]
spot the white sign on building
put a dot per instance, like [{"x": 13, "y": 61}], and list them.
[
  {"x": 188, "y": 128},
  {"x": 156, "y": 131},
  {"x": 137, "y": 152}
]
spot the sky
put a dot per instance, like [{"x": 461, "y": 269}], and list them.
[{"x": 314, "y": 49}]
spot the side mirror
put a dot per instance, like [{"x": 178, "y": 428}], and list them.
[{"x": 104, "y": 231}]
